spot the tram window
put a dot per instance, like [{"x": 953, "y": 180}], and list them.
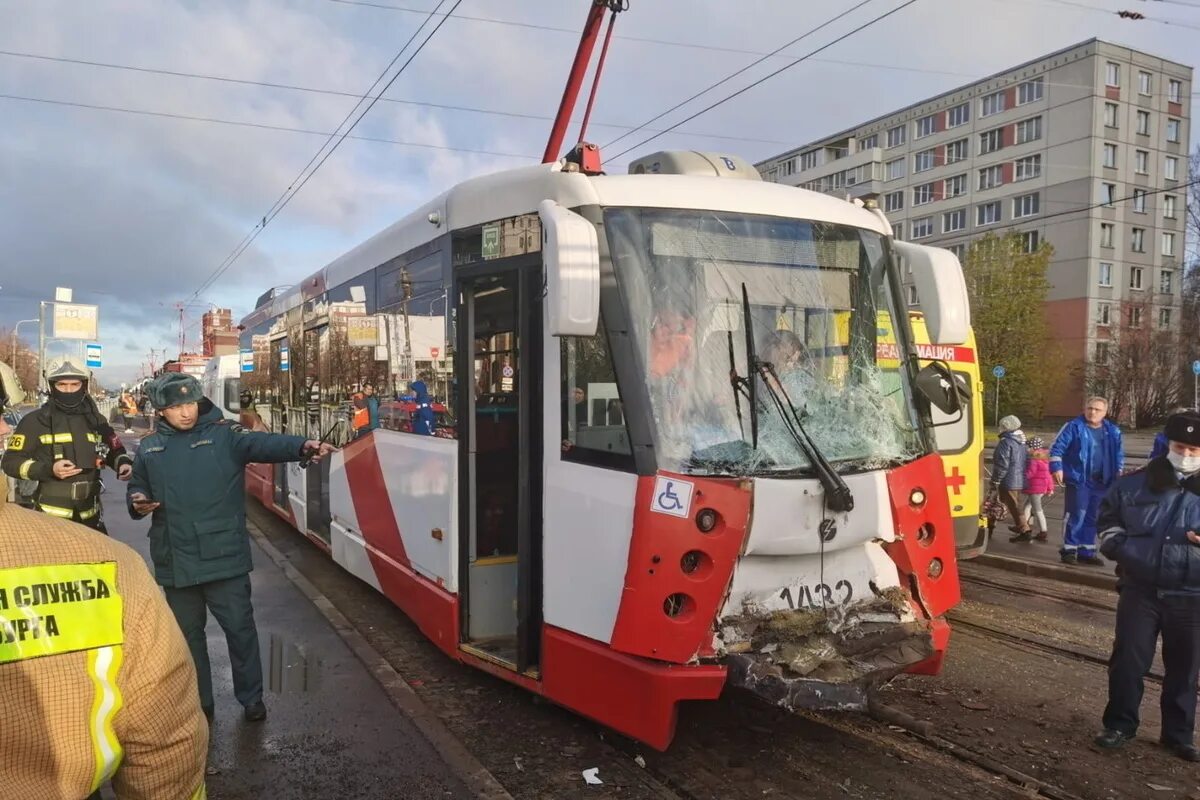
[{"x": 593, "y": 417}]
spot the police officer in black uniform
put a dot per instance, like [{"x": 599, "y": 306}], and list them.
[
  {"x": 1150, "y": 525},
  {"x": 62, "y": 446}
]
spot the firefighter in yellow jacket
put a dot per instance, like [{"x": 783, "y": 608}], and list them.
[{"x": 97, "y": 683}]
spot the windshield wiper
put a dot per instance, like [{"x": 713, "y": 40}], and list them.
[
  {"x": 837, "y": 494},
  {"x": 743, "y": 386}
]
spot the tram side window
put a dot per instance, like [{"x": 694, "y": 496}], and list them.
[{"x": 593, "y": 417}]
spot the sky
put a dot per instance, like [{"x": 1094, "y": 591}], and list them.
[{"x": 134, "y": 211}]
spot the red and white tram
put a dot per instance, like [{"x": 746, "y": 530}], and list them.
[{"x": 673, "y": 464}]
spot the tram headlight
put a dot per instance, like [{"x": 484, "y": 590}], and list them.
[
  {"x": 706, "y": 520},
  {"x": 917, "y": 498}
]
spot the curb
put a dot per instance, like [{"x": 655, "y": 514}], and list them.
[
  {"x": 1039, "y": 570},
  {"x": 446, "y": 744}
]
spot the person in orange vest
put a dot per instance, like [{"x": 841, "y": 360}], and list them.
[{"x": 360, "y": 415}]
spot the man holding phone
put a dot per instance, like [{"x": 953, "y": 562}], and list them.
[
  {"x": 1150, "y": 524},
  {"x": 189, "y": 474}
]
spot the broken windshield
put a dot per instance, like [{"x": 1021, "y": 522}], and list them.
[{"x": 819, "y": 294}]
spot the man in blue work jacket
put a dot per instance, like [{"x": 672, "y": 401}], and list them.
[
  {"x": 1150, "y": 524},
  {"x": 1086, "y": 457},
  {"x": 189, "y": 474}
]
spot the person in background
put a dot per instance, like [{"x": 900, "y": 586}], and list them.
[
  {"x": 248, "y": 416},
  {"x": 1150, "y": 525},
  {"x": 1086, "y": 457},
  {"x": 1008, "y": 475},
  {"x": 190, "y": 474},
  {"x": 126, "y": 676},
  {"x": 1039, "y": 485},
  {"x": 372, "y": 403},
  {"x": 128, "y": 408},
  {"x": 423, "y": 418}
]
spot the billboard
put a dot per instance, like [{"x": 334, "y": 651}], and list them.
[
  {"x": 362, "y": 331},
  {"x": 75, "y": 321}
]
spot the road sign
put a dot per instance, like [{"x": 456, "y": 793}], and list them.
[
  {"x": 433, "y": 353},
  {"x": 998, "y": 371},
  {"x": 284, "y": 360},
  {"x": 1196, "y": 367},
  {"x": 247, "y": 360},
  {"x": 94, "y": 359}
]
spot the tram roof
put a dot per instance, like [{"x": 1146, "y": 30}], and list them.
[{"x": 519, "y": 191}]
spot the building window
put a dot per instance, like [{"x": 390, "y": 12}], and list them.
[
  {"x": 789, "y": 167},
  {"x": 992, "y": 104},
  {"x": 1110, "y": 115},
  {"x": 1143, "y": 123},
  {"x": 1104, "y": 314},
  {"x": 958, "y": 151},
  {"x": 988, "y": 213},
  {"x": 869, "y": 142},
  {"x": 1030, "y": 240},
  {"x": 1135, "y": 277},
  {"x": 922, "y": 227},
  {"x": 1139, "y": 201},
  {"x": 959, "y": 250},
  {"x": 1028, "y": 167},
  {"x": 1138, "y": 243},
  {"x": 1164, "y": 318},
  {"x": 1168, "y": 244},
  {"x": 990, "y": 141},
  {"x": 921, "y": 195},
  {"x": 1170, "y": 167},
  {"x": 1174, "y": 90},
  {"x": 1102, "y": 352},
  {"x": 990, "y": 177},
  {"x": 1108, "y": 193},
  {"x": 1144, "y": 83},
  {"x": 1169, "y": 206},
  {"x": 959, "y": 115},
  {"x": 895, "y": 136},
  {"x": 895, "y": 169},
  {"x": 1029, "y": 130},
  {"x": 1030, "y": 91},
  {"x": 1135, "y": 317},
  {"x": 1172, "y": 130},
  {"x": 1141, "y": 162},
  {"x": 954, "y": 221},
  {"x": 923, "y": 161},
  {"x": 956, "y": 186},
  {"x": 912, "y": 296},
  {"x": 893, "y": 201},
  {"x": 1166, "y": 281},
  {"x": 925, "y": 126},
  {"x": 1106, "y": 234},
  {"x": 1110, "y": 155},
  {"x": 809, "y": 160},
  {"x": 898, "y": 231},
  {"x": 1112, "y": 74},
  {"x": 1106, "y": 273},
  {"x": 1026, "y": 205}
]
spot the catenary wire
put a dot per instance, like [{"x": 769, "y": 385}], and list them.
[
  {"x": 733, "y": 75},
  {"x": 770, "y": 75},
  {"x": 291, "y": 192}
]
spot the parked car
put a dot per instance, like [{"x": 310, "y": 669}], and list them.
[{"x": 396, "y": 415}]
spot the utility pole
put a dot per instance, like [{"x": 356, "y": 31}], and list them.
[
  {"x": 406, "y": 291},
  {"x": 41, "y": 365}
]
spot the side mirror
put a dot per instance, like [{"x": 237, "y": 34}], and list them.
[
  {"x": 942, "y": 290},
  {"x": 946, "y": 391},
  {"x": 571, "y": 254}
]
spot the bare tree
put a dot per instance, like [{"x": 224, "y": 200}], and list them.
[
  {"x": 20, "y": 357},
  {"x": 1137, "y": 368}
]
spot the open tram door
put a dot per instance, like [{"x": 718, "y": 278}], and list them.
[{"x": 498, "y": 371}]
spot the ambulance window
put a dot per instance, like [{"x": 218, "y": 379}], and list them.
[
  {"x": 593, "y": 418},
  {"x": 955, "y": 437}
]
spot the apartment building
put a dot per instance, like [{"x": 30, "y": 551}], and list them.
[{"x": 1095, "y": 124}]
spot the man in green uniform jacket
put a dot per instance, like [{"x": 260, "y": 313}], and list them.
[{"x": 189, "y": 474}]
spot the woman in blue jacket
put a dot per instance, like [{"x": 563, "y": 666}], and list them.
[{"x": 1150, "y": 524}]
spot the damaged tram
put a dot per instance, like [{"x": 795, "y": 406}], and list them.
[{"x": 675, "y": 464}]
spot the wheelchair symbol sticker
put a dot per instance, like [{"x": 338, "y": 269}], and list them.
[{"x": 672, "y": 496}]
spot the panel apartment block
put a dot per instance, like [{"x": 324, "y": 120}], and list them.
[{"x": 1028, "y": 149}]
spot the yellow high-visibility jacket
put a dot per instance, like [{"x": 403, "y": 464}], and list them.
[{"x": 96, "y": 680}]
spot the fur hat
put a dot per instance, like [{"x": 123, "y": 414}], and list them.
[
  {"x": 174, "y": 389},
  {"x": 1184, "y": 428},
  {"x": 1009, "y": 423}
]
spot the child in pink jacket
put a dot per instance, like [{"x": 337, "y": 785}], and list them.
[{"x": 1038, "y": 485}]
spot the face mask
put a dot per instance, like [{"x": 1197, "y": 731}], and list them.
[
  {"x": 68, "y": 401},
  {"x": 1185, "y": 464}
]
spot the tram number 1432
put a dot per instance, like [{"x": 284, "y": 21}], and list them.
[{"x": 817, "y": 596}]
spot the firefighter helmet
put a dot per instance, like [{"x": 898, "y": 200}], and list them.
[{"x": 67, "y": 371}]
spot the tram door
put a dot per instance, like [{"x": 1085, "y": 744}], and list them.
[{"x": 499, "y": 378}]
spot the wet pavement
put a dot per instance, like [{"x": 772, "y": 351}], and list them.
[{"x": 331, "y": 730}]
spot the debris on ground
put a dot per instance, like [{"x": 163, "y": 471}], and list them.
[{"x": 591, "y": 777}]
